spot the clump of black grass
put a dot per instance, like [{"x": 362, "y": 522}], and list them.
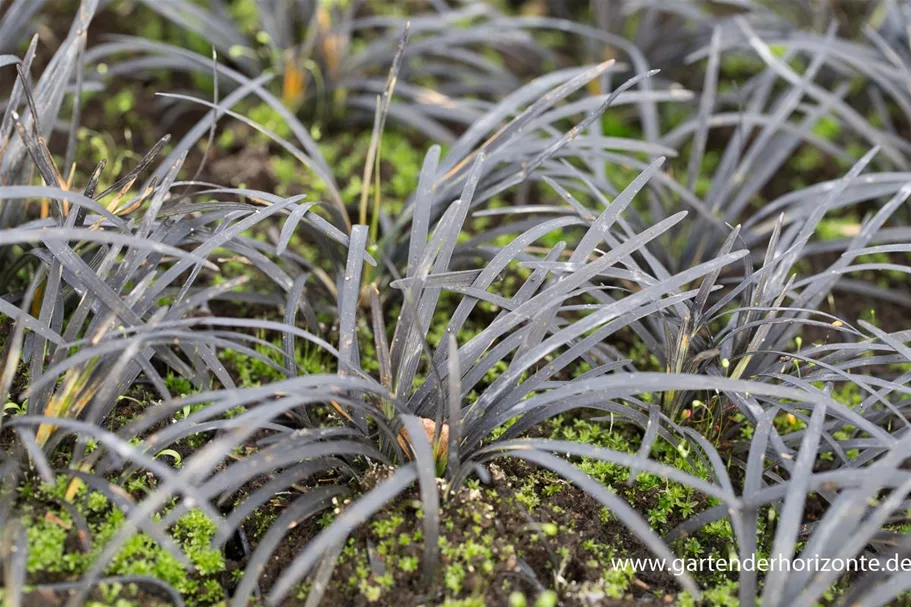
[
  {"x": 856, "y": 54},
  {"x": 424, "y": 428},
  {"x": 108, "y": 288},
  {"x": 332, "y": 59}
]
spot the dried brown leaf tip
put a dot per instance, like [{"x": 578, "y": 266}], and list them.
[{"x": 429, "y": 429}]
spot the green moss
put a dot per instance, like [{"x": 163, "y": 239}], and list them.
[
  {"x": 346, "y": 154},
  {"x": 119, "y": 103},
  {"x": 178, "y": 385},
  {"x": 828, "y": 128},
  {"x": 245, "y": 14},
  {"x": 517, "y": 599},
  {"x": 665, "y": 502},
  {"x": 50, "y": 532},
  {"x": 527, "y": 494},
  {"x": 469, "y": 602},
  {"x": 249, "y": 370},
  {"x": 267, "y": 117},
  {"x": 833, "y": 228},
  {"x": 723, "y": 595},
  {"x": 548, "y": 598},
  {"x": 386, "y": 527}
]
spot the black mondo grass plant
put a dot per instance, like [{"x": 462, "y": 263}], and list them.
[
  {"x": 506, "y": 293},
  {"x": 331, "y": 59},
  {"x": 328, "y": 60}
]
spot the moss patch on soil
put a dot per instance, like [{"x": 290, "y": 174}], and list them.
[{"x": 65, "y": 539}]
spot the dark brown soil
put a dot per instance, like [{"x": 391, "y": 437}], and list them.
[
  {"x": 851, "y": 306},
  {"x": 523, "y": 559},
  {"x": 138, "y": 594}
]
